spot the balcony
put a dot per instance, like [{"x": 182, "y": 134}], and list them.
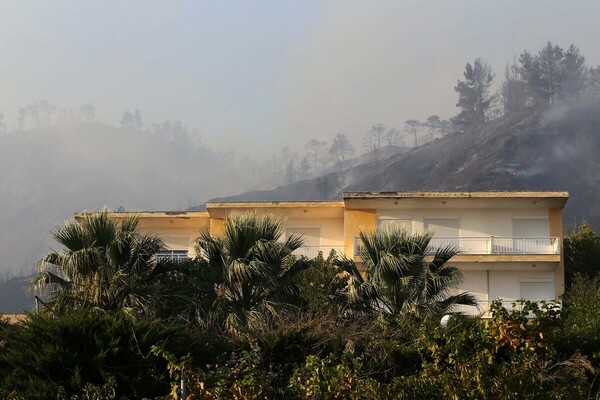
[
  {"x": 311, "y": 252},
  {"x": 493, "y": 245},
  {"x": 174, "y": 256}
]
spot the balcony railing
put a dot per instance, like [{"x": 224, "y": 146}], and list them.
[
  {"x": 176, "y": 256},
  {"x": 488, "y": 245},
  {"x": 313, "y": 251}
]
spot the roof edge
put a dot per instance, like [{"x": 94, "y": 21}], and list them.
[{"x": 459, "y": 195}]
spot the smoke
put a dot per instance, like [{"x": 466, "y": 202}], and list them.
[{"x": 252, "y": 78}]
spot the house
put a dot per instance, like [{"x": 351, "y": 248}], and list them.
[{"x": 510, "y": 242}]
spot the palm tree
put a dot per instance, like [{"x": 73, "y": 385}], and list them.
[
  {"x": 248, "y": 271},
  {"x": 105, "y": 265},
  {"x": 399, "y": 278}
]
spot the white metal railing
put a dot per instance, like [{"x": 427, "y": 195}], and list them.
[
  {"x": 488, "y": 245},
  {"x": 172, "y": 256},
  {"x": 498, "y": 245},
  {"x": 313, "y": 251}
]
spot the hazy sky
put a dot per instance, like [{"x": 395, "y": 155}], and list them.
[{"x": 270, "y": 73}]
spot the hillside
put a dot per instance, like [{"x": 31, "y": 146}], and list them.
[
  {"x": 553, "y": 148},
  {"x": 14, "y": 298},
  {"x": 47, "y": 175}
]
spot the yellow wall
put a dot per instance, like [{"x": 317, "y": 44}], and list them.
[
  {"x": 354, "y": 222},
  {"x": 217, "y": 226},
  {"x": 177, "y": 233}
]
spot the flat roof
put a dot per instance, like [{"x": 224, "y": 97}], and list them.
[
  {"x": 458, "y": 195},
  {"x": 275, "y": 204},
  {"x": 151, "y": 214}
]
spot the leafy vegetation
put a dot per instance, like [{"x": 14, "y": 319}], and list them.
[
  {"x": 399, "y": 280},
  {"x": 248, "y": 270},
  {"x": 582, "y": 253},
  {"x": 106, "y": 265},
  {"x": 252, "y": 321}
]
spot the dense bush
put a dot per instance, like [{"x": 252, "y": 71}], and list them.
[
  {"x": 296, "y": 334},
  {"x": 581, "y": 319},
  {"x": 582, "y": 253},
  {"x": 45, "y": 353}
]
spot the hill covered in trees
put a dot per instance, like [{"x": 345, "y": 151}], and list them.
[
  {"x": 554, "y": 147},
  {"x": 539, "y": 131}
]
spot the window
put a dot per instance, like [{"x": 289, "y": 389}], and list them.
[
  {"x": 530, "y": 227},
  {"x": 446, "y": 232},
  {"x": 530, "y": 235},
  {"x": 404, "y": 223},
  {"x": 537, "y": 291},
  {"x": 443, "y": 227}
]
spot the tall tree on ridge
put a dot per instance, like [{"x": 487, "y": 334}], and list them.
[
  {"x": 574, "y": 73},
  {"x": 549, "y": 63},
  {"x": 341, "y": 148},
  {"x": 433, "y": 123},
  {"x": 315, "y": 146},
  {"x": 88, "y": 111},
  {"x": 394, "y": 137},
  {"x": 514, "y": 91},
  {"x": 412, "y": 126},
  {"x": 127, "y": 120},
  {"x": 474, "y": 98},
  {"x": 45, "y": 107}
]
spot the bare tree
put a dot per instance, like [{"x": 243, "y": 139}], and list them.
[
  {"x": 22, "y": 116},
  {"x": 412, "y": 126},
  {"x": 514, "y": 90},
  {"x": 433, "y": 123},
  {"x": 394, "y": 137},
  {"x": 314, "y": 146},
  {"x": 34, "y": 113},
  {"x": 373, "y": 140},
  {"x": 341, "y": 148},
  {"x": 88, "y": 111},
  {"x": 47, "y": 109}
]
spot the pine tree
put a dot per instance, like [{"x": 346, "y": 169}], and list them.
[
  {"x": 574, "y": 74},
  {"x": 474, "y": 98}
]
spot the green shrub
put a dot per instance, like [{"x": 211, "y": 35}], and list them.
[
  {"x": 507, "y": 357},
  {"x": 242, "y": 376},
  {"x": 581, "y": 317},
  {"x": 323, "y": 285},
  {"x": 45, "y": 353}
]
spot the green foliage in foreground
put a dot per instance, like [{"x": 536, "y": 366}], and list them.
[
  {"x": 292, "y": 333},
  {"x": 45, "y": 353},
  {"x": 507, "y": 357},
  {"x": 400, "y": 281},
  {"x": 248, "y": 272},
  {"x": 582, "y": 253},
  {"x": 105, "y": 265}
]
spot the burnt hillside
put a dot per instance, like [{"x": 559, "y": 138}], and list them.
[{"x": 552, "y": 148}]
